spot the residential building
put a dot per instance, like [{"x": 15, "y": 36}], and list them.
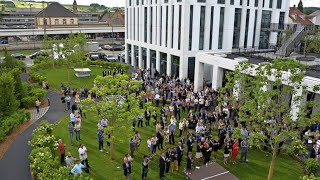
[
  {"x": 315, "y": 17},
  {"x": 167, "y": 34},
  {"x": 298, "y": 18},
  {"x": 21, "y": 18},
  {"x": 113, "y": 18},
  {"x": 56, "y": 16}
]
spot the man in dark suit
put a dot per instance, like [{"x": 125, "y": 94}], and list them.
[
  {"x": 189, "y": 161},
  {"x": 162, "y": 164},
  {"x": 189, "y": 143},
  {"x": 126, "y": 169},
  {"x": 168, "y": 159},
  {"x": 104, "y": 73},
  {"x": 109, "y": 72},
  {"x": 313, "y": 153},
  {"x": 180, "y": 153}
]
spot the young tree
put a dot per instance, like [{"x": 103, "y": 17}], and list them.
[
  {"x": 300, "y": 6},
  {"x": 119, "y": 104},
  {"x": 8, "y": 101},
  {"x": 262, "y": 94}
]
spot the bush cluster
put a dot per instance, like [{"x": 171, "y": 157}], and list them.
[
  {"x": 43, "y": 163},
  {"x": 8, "y": 124}
]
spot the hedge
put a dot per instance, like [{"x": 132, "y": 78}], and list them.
[
  {"x": 43, "y": 163},
  {"x": 8, "y": 124}
]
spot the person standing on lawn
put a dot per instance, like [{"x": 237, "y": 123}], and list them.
[
  {"x": 133, "y": 146},
  {"x": 126, "y": 169},
  {"x": 71, "y": 130},
  {"x": 72, "y": 118},
  {"x": 189, "y": 162},
  {"x": 68, "y": 102},
  {"x": 179, "y": 153},
  {"x": 100, "y": 139},
  {"x": 83, "y": 155},
  {"x": 61, "y": 148},
  {"x": 69, "y": 160},
  {"x": 162, "y": 165},
  {"x": 244, "y": 146},
  {"x": 145, "y": 166},
  {"x": 77, "y": 128},
  {"x": 235, "y": 148}
]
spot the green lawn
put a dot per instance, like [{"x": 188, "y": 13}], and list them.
[
  {"x": 102, "y": 167},
  {"x": 57, "y": 75}
]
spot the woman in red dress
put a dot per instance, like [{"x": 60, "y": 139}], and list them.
[{"x": 235, "y": 148}]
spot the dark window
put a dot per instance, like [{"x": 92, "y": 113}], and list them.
[
  {"x": 254, "y": 27},
  {"x": 211, "y": 27},
  {"x": 179, "y": 0},
  {"x": 160, "y": 26},
  {"x": 263, "y": 3},
  {"x": 240, "y": 2},
  {"x": 265, "y": 19},
  {"x": 134, "y": 24},
  {"x": 190, "y": 27},
  {"x": 256, "y": 3},
  {"x": 232, "y": 2},
  {"x": 247, "y": 29},
  {"x": 145, "y": 24},
  {"x": 264, "y": 40},
  {"x": 45, "y": 22},
  {"x": 151, "y": 13},
  {"x": 221, "y": 1},
  {"x": 165, "y": 1},
  {"x": 221, "y": 24},
  {"x": 129, "y": 2},
  {"x": 142, "y": 3},
  {"x": 248, "y": 2},
  {"x": 202, "y": 24},
  {"x": 281, "y": 20},
  {"x": 270, "y": 3},
  {"x": 179, "y": 33},
  {"x": 64, "y": 21},
  {"x": 156, "y": 24},
  {"x": 167, "y": 16},
  {"x": 236, "y": 31},
  {"x": 191, "y": 67},
  {"x": 172, "y": 26},
  {"x": 138, "y": 26},
  {"x": 137, "y": 2},
  {"x": 202, "y": 1},
  {"x": 279, "y": 4}
]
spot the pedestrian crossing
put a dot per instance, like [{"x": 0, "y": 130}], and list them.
[{"x": 42, "y": 111}]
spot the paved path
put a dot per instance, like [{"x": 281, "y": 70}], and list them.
[
  {"x": 42, "y": 111},
  {"x": 15, "y": 163},
  {"x": 212, "y": 171}
]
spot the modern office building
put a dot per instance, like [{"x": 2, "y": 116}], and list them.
[
  {"x": 21, "y": 18},
  {"x": 167, "y": 34}
]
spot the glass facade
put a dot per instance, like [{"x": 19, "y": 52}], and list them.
[
  {"x": 211, "y": 27},
  {"x": 254, "y": 28},
  {"x": 144, "y": 58},
  {"x": 136, "y": 56},
  {"x": 160, "y": 26},
  {"x": 266, "y": 19},
  {"x": 281, "y": 20},
  {"x": 145, "y": 24},
  {"x": 172, "y": 26},
  {"x": 163, "y": 63},
  {"x": 247, "y": 28},
  {"x": 279, "y": 4},
  {"x": 264, "y": 40},
  {"x": 256, "y": 3},
  {"x": 221, "y": 24},
  {"x": 175, "y": 63},
  {"x": 138, "y": 26},
  {"x": 221, "y": 1},
  {"x": 151, "y": 22},
  {"x": 232, "y": 2},
  {"x": 191, "y": 67},
  {"x": 153, "y": 60},
  {"x": 202, "y": 24},
  {"x": 134, "y": 24},
  {"x": 190, "y": 27},
  {"x": 248, "y": 2},
  {"x": 167, "y": 17},
  {"x": 236, "y": 31},
  {"x": 129, "y": 53},
  {"x": 270, "y": 3},
  {"x": 179, "y": 31}
]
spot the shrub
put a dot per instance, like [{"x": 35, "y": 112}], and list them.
[
  {"x": 312, "y": 166},
  {"x": 310, "y": 177},
  {"x": 38, "y": 93},
  {"x": 41, "y": 137},
  {"x": 41, "y": 159},
  {"x": 28, "y": 102},
  {"x": 10, "y": 123}
]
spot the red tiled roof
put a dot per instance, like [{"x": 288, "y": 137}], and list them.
[
  {"x": 295, "y": 11},
  {"x": 299, "y": 20}
]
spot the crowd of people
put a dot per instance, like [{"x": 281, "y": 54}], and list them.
[{"x": 189, "y": 127}]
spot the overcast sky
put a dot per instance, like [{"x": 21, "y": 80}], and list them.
[{"x": 120, "y": 3}]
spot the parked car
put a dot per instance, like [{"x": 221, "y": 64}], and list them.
[
  {"x": 117, "y": 48},
  {"x": 3, "y": 41},
  {"x": 18, "y": 56},
  {"x": 110, "y": 58},
  {"x": 39, "y": 53},
  {"x": 96, "y": 55},
  {"x": 107, "y": 47}
]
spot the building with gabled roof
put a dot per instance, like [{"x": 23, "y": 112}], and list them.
[{"x": 56, "y": 16}]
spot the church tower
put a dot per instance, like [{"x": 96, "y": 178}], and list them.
[{"x": 75, "y": 7}]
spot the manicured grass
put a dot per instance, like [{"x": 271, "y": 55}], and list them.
[
  {"x": 57, "y": 75},
  {"x": 102, "y": 167}
]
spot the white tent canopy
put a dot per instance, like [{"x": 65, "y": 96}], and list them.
[{"x": 82, "y": 72}]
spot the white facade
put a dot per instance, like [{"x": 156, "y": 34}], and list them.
[
  {"x": 219, "y": 65},
  {"x": 167, "y": 34}
]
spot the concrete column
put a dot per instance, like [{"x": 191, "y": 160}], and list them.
[
  {"x": 126, "y": 54},
  {"x": 133, "y": 56},
  {"x": 168, "y": 64},
  {"x": 148, "y": 24},
  {"x": 148, "y": 59},
  {"x": 158, "y": 61},
  {"x": 296, "y": 104},
  {"x": 198, "y": 76},
  {"x": 183, "y": 67},
  {"x": 140, "y": 58},
  {"x": 217, "y": 76},
  {"x": 228, "y": 29},
  {"x": 158, "y": 26}
]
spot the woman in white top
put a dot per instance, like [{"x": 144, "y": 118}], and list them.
[
  {"x": 171, "y": 108},
  {"x": 83, "y": 155},
  {"x": 77, "y": 129},
  {"x": 173, "y": 120},
  {"x": 181, "y": 127},
  {"x": 149, "y": 143}
]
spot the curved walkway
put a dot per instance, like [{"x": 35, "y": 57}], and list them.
[{"x": 15, "y": 163}]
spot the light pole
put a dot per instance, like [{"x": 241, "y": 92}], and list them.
[{"x": 112, "y": 41}]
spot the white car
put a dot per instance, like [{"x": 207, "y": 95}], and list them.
[
  {"x": 110, "y": 58},
  {"x": 107, "y": 47}
]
